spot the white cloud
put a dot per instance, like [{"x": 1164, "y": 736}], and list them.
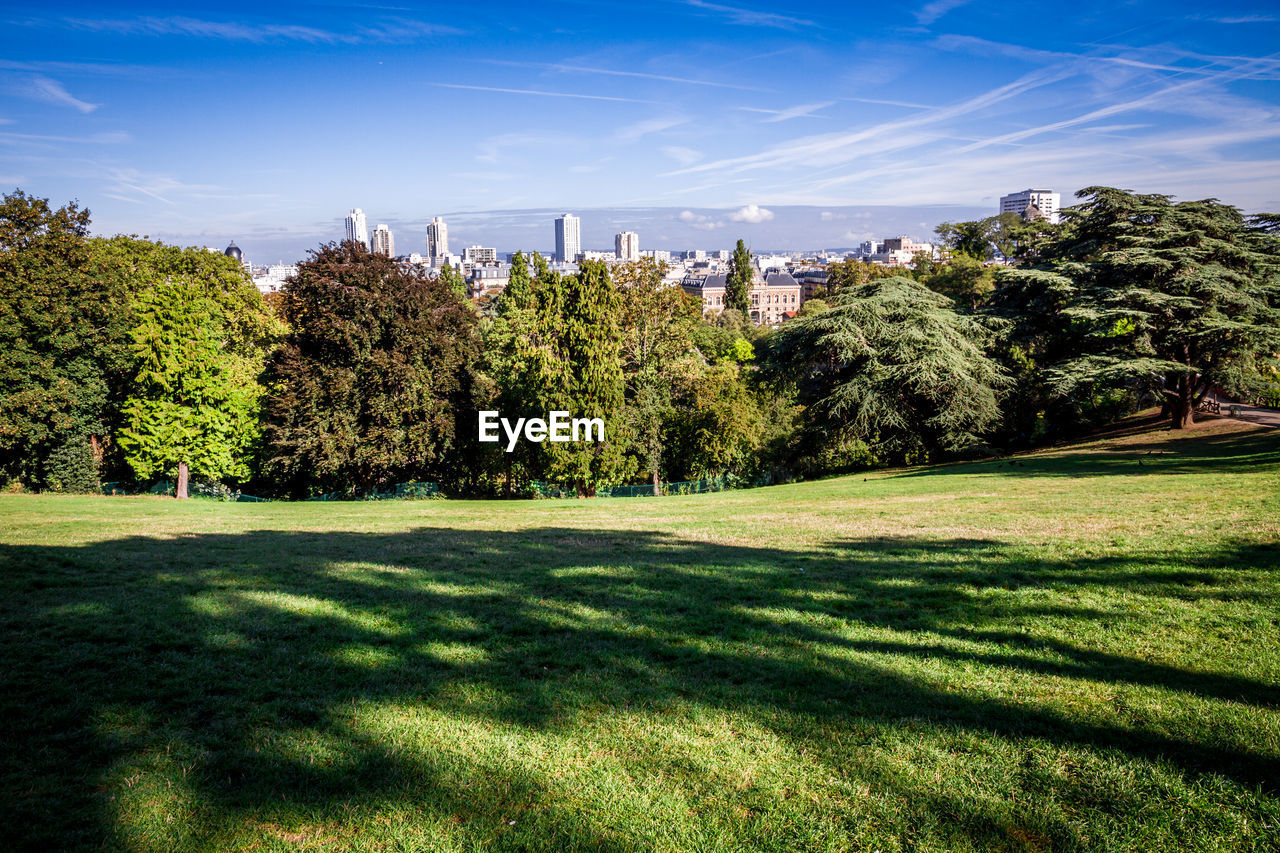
[
  {"x": 683, "y": 156},
  {"x": 752, "y": 18},
  {"x": 699, "y": 221},
  {"x": 799, "y": 111},
  {"x": 752, "y": 213},
  {"x": 634, "y": 131},
  {"x": 39, "y": 88},
  {"x": 935, "y": 10}
]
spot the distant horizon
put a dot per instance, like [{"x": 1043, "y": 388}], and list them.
[{"x": 811, "y": 228}]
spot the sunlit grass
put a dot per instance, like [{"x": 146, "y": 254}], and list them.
[{"x": 1075, "y": 649}]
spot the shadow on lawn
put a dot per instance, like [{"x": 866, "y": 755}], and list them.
[
  {"x": 1193, "y": 454},
  {"x": 217, "y": 641}
]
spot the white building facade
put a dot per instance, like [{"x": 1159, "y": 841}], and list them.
[
  {"x": 568, "y": 238},
  {"x": 1047, "y": 202},
  {"x": 437, "y": 241},
  {"x": 626, "y": 246},
  {"x": 357, "y": 226},
  {"x": 384, "y": 242}
]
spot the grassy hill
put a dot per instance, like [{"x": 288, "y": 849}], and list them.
[{"x": 1069, "y": 650}]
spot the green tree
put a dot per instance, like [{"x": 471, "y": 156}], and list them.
[
  {"x": 375, "y": 379},
  {"x": 589, "y": 348},
  {"x": 524, "y": 361},
  {"x": 657, "y": 326},
  {"x": 200, "y": 340},
  {"x": 891, "y": 364},
  {"x": 737, "y": 284},
  {"x": 454, "y": 280},
  {"x": 963, "y": 278},
  {"x": 63, "y": 347},
  {"x": 1174, "y": 297},
  {"x": 851, "y": 272}
]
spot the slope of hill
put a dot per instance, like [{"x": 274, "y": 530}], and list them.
[{"x": 1071, "y": 649}]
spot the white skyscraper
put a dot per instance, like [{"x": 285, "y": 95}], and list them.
[
  {"x": 437, "y": 240},
  {"x": 357, "y": 226},
  {"x": 1046, "y": 201},
  {"x": 383, "y": 242},
  {"x": 568, "y": 237},
  {"x": 626, "y": 246}
]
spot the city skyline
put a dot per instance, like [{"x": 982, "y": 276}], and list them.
[{"x": 196, "y": 123}]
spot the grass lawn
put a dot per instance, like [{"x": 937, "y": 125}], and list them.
[{"x": 1076, "y": 651}]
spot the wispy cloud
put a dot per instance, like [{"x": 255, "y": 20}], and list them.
[
  {"x": 541, "y": 93},
  {"x": 683, "y": 156},
  {"x": 37, "y": 87},
  {"x": 700, "y": 221},
  {"x": 1246, "y": 19},
  {"x": 111, "y": 138},
  {"x": 935, "y": 10},
  {"x": 613, "y": 72},
  {"x": 800, "y": 111},
  {"x": 632, "y": 132},
  {"x": 491, "y": 149},
  {"x": 752, "y": 17},
  {"x": 139, "y": 187},
  {"x": 390, "y": 29},
  {"x": 826, "y": 149}
]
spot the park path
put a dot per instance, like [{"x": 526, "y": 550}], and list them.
[{"x": 1256, "y": 414}]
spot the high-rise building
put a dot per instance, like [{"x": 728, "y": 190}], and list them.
[
  {"x": 568, "y": 238},
  {"x": 357, "y": 226},
  {"x": 626, "y": 246},
  {"x": 1046, "y": 202},
  {"x": 384, "y": 243},
  {"x": 437, "y": 240}
]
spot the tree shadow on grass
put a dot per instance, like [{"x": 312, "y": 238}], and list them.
[
  {"x": 250, "y": 651},
  {"x": 1192, "y": 454}
]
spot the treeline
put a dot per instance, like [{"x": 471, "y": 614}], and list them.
[{"x": 124, "y": 359}]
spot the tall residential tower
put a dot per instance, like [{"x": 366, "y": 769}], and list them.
[
  {"x": 357, "y": 226},
  {"x": 437, "y": 241},
  {"x": 568, "y": 238},
  {"x": 384, "y": 243},
  {"x": 626, "y": 246}
]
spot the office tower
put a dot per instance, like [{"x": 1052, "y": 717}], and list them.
[
  {"x": 437, "y": 241},
  {"x": 1046, "y": 202},
  {"x": 357, "y": 226},
  {"x": 383, "y": 242},
  {"x": 568, "y": 237},
  {"x": 626, "y": 246}
]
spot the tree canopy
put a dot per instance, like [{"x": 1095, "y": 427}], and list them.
[
  {"x": 1178, "y": 298},
  {"x": 894, "y": 365},
  {"x": 372, "y": 377}
]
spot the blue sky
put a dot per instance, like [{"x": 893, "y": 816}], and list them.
[{"x": 781, "y": 123}]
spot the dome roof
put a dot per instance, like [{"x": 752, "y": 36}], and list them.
[{"x": 233, "y": 251}]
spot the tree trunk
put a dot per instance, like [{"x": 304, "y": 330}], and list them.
[
  {"x": 657, "y": 485},
  {"x": 1184, "y": 405},
  {"x": 183, "y": 476}
]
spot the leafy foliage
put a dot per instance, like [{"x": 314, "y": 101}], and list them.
[
  {"x": 737, "y": 284},
  {"x": 893, "y": 365},
  {"x": 62, "y": 346},
  {"x": 373, "y": 378},
  {"x": 1174, "y": 297}
]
